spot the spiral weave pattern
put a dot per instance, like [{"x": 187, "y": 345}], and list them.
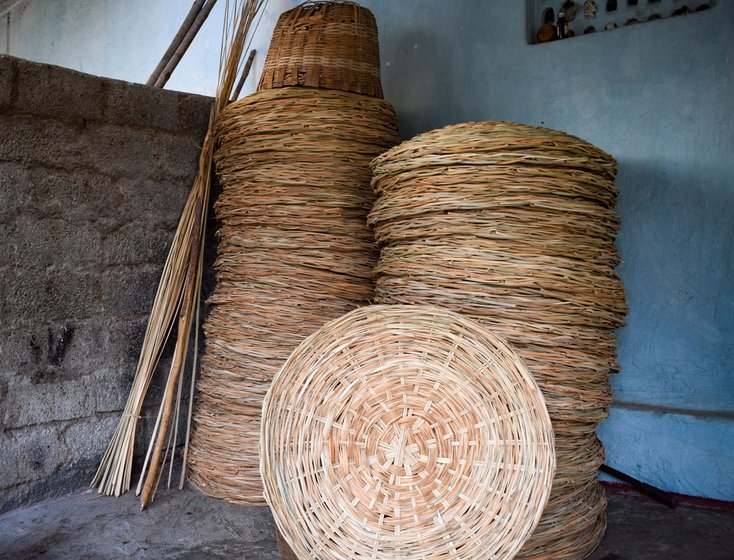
[{"x": 405, "y": 432}]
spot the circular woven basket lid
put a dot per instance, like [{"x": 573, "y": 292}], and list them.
[{"x": 405, "y": 432}]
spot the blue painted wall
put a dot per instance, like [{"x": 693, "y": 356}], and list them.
[{"x": 658, "y": 96}]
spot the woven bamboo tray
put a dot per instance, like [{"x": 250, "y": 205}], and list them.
[
  {"x": 330, "y": 45},
  {"x": 405, "y": 432},
  {"x": 294, "y": 251},
  {"x": 514, "y": 226}
]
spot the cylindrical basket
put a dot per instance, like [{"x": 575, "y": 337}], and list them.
[
  {"x": 513, "y": 226},
  {"x": 294, "y": 252},
  {"x": 329, "y": 45}
]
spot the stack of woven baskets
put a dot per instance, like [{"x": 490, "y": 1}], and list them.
[
  {"x": 294, "y": 247},
  {"x": 514, "y": 226}
]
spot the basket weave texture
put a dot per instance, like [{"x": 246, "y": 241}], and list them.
[
  {"x": 514, "y": 226},
  {"x": 330, "y": 45},
  {"x": 294, "y": 252},
  {"x": 405, "y": 432}
]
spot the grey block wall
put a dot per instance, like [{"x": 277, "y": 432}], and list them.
[{"x": 93, "y": 176}]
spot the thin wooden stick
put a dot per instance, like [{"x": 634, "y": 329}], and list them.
[
  {"x": 197, "y": 323},
  {"x": 185, "y": 43},
  {"x": 245, "y": 73},
  {"x": 176, "y": 419},
  {"x": 185, "y": 26},
  {"x": 179, "y": 357}
]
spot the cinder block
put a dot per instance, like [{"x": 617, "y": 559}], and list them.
[
  {"x": 6, "y": 81},
  {"x": 111, "y": 388},
  {"x": 134, "y": 243},
  {"x": 24, "y": 296},
  {"x": 8, "y": 247},
  {"x": 86, "y": 440},
  {"x": 178, "y": 157},
  {"x": 126, "y": 338},
  {"x": 52, "y": 400},
  {"x": 32, "y": 140},
  {"x": 56, "y": 242},
  {"x": 158, "y": 202},
  {"x": 128, "y": 293},
  {"x": 40, "y": 351},
  {"x": 193, "y": 113},
  {"x": 74, "y": 195},
  {"x": 15, "y": 194},
  {"x": 72, "y": 295},
  {"x": 141, "y": 106},
  {"x": 54, "y": 91},
  {"x": 56, "y": 296},
  {"x": 120, "y": 151},
  {"x": 29, "y": 455},
  {"x": 77, "y": 347}
]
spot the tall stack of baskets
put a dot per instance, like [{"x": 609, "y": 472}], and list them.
[
  {"x": 294, "y": 247},
  {"x": 514, "y": 226}
]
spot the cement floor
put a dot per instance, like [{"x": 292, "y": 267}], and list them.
[{"x": 187, "y": 525}]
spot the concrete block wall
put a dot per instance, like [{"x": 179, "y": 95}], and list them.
[{"x": 93, "y": 176}]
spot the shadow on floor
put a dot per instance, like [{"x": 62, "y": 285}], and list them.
[{"x": 188, "y": 525}]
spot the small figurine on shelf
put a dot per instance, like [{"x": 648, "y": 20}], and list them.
[
  {"x": 547, "y": 31},
  {"x": 570, "y": 7},
  {"x": 589, "y": 9},
  {"x": 562, "y": 24}
]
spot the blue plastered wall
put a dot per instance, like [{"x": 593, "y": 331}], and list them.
[{"x": 659, "y": 96}]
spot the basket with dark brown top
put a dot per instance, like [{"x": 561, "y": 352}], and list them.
[{"x": 328, "y": 45}]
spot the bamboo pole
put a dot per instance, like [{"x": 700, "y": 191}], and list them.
[
  {"x": 245, "y": 73},
  {"x": 179, "y": 354},
  {"x": 185, "y": 26},
  {"x": 185, "y": 43}
]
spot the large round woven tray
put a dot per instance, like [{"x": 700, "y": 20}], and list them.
[
  {"x": 405, "y": 432},
  {"x": 329, "y": 45}
]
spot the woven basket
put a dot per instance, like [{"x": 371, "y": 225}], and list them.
[
  {"x": 405, "y": 432},
  {"x": 294, "y": 252},
  {"x": 514, "y": 227},
  {"x": 329, "y": 45}
]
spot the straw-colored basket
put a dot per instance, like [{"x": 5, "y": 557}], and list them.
[
  {"x": 405, "y": 432},
  {"x": 330, "y": 45},
  {"x": 294, "y": 252},
  {"x": 514, "y": 226}
]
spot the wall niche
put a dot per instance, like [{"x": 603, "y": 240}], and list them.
[{"x": 553, "y": 20}]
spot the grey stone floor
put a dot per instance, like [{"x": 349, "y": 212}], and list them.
[{"x": 188, "y": 525}]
